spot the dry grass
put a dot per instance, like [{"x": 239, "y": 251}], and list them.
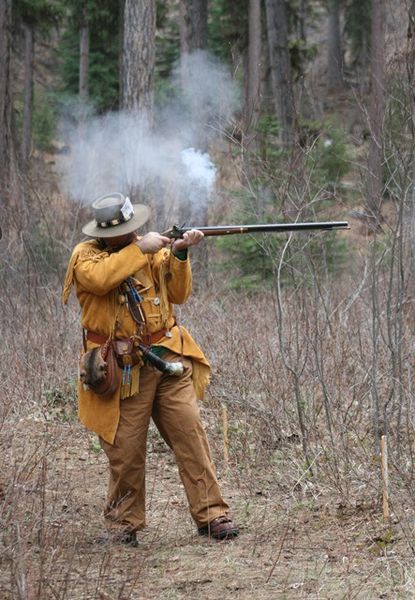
[{"x": 300, "y": 373}]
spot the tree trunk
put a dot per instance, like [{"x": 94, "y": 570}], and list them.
[
  {"x": 138, "y": 56},
  {"x": 334, "y": 45},
  {"x": 409, "y": 213},
  {"x": 376, "y": 111},
  {"x": 6, "y": 139},
  {"x": 84, "y": 58},
  {"x": 302, "y": 19},
  {"x": 253, "y": 75},
  {"x": 193, "y": 41},
  {"x": 28, "y": 94},
  {"x": 281, "y": 78},
  {"x": 193, "y": 26}
]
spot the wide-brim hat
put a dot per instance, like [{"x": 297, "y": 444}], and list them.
[{"x": 115, "y": 215}]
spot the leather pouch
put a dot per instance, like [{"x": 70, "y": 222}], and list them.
[
  {"x": 126, "y": 354},
  {"x": 98, "y": 370}
]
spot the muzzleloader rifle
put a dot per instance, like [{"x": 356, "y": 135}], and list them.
[{"x": 176, "y": 232}]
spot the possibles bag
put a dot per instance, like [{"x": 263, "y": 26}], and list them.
[
  {"x": 126, "y": 353},
  {"x": 98, "y": 370}
]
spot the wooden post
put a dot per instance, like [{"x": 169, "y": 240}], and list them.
[
  {"x": 385, "y": 476},
  {"x": 225, "y": 433}
]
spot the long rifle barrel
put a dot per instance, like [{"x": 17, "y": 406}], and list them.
[{"x": 177, "y": 232}]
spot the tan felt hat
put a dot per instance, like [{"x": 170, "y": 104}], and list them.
[{"x": 115, "y": 215}]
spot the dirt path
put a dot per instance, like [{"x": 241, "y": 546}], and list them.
[{"x": 292, "y": 544}]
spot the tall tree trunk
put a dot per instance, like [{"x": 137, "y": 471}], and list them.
[
  {"x": 253, "y": 75},
  {"x": 6, "y": 139},
  {"x": 84, "y": 58},
  {"x": 302, "y": 19},
  {"x": 281, "y": 78},
  {"x": 29, "y": 40},
  {"x": 120, "y": 48},
  {"x": 138, "y": 56},
  {"x": 409, "y": 214},
  {"x": 193, "y": 42},
  {"x": 193, "y": 26},
  {"x": 193, "y": 39},
  {"x": 334, "y": 46},
  {"x": 376, "y": 110}
]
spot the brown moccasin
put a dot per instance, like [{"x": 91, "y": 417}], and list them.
[{"x": 221, "y": 528}]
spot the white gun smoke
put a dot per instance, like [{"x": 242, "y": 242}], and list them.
[
  {"x": 199, "y": 167},
  {"x": 169, "y": 162}
]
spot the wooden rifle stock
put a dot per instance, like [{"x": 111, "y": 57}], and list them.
[{"x": 177, "y": 232}]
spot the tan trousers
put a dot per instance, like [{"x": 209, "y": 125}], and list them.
[{"x": 172, "y": 403}]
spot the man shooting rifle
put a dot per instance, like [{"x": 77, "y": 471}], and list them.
[
  {"x": 139, "y": 363},
  {"x": 126, "y": 286}
]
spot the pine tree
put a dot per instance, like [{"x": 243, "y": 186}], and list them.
[
  {"x": 228, "y": 29},
  {"x": 358, "y": 30},
  {"x": 193, "y": 25},
  {"x": 253, "y": 64},
  {"x": 334, "y": 46},
  {"x": 138, "y": 56},
  {"x": 32, "y": 16},
  {"x": 89, "y": 53},
  {"x": 376, "y": 110},
  {"x": 6, "y": 138},
  {"x": 281, "y": 74}
]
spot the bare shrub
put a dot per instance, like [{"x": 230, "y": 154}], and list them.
[{"x": 311, "y": 370}]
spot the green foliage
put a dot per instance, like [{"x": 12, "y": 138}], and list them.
[
  {"x": 300, "y": 12},
  {"x": 301, "y": 53},
  {"x": 167, "y": 47},
  {"x": 95, "y": 445},
  {"x": 247, "y": 262},
  {"x": 103, "y": 58},
  {"x": 167, "y": 53},
  {"x": 44, "y": 120},
  {"x": 269, "y": 148},
  {"x": 248, "y": 259},
  {"x": 358, "y": 26},
  {"x": 60, "y": 402},
  {"x": 380, "y": 543},
  {"x": 40, "y": 14},
  {"x": 228, "y": 31},
  {"x": 251, "y": 261},
  {"x": 228, "y": 28},
  {"x": 165, "y": 91},
  {"x": 95, "y": 12},
  {"x": 328, "y": 157}
]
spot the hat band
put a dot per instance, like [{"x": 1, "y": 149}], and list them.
[
  {"x": 126, "y": 213},
  {"x": 113, "y": 222}
]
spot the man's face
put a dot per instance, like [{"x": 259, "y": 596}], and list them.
[{"x": 121, "y": 240}]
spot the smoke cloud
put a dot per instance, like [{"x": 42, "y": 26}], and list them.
[{"x": 167, "y": 162}]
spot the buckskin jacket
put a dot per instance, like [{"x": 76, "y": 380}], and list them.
[{"x": 162, "y": 280}]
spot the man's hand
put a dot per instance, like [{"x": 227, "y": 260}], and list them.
[
  {"x": 152, "y": 242},
  {"x": 190, "y": 238}
]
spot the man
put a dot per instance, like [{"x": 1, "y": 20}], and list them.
[{"x": 126, "y": 286}]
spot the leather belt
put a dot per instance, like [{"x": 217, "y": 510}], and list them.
[{"x": 148, "y": 339}]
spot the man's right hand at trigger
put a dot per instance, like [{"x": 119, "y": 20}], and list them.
[{"x": 152, "y": 242}]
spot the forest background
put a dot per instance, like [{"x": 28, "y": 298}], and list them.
[{"x": 224, "y": 111}]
